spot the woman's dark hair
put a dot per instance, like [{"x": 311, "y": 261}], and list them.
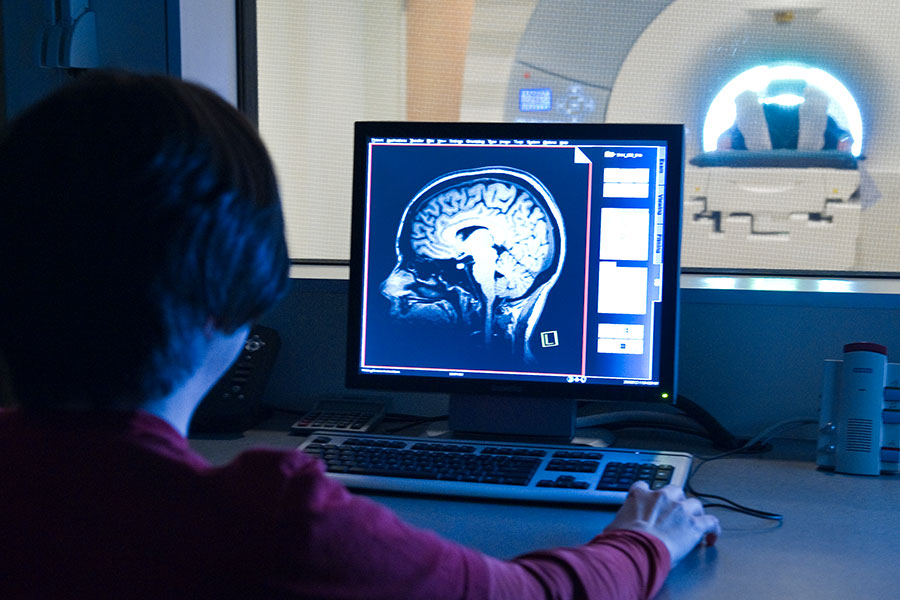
[{"x": 135, "y": 210}]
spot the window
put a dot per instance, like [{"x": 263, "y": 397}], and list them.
[{"x": 777, "y": 206}]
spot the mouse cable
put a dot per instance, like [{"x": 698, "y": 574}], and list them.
[
  {"x": 720, "y": 437},
  {"x": 754, "y": 444}
]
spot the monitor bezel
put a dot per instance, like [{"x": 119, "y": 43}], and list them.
[{"x": 671, "y": 134}]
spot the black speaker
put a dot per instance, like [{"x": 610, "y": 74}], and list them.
[{"x": 234, "y": 404}]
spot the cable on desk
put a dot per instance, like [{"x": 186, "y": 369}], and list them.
[
  {"x": 641, "y": 419},
  {"x": 754, "y": 444},
  {"x": 693, "y": 420},
  {"x": 718, "y": 435}
]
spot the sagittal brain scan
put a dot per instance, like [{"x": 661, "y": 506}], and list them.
[{"x": 478, "y": 251}]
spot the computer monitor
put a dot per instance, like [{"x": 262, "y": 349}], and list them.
[{"x": 518, "y": 267}]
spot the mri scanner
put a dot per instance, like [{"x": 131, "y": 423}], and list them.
[{"x": 686, "y": 61}]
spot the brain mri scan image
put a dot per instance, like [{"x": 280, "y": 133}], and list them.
[{"x": 478, "y": 251}]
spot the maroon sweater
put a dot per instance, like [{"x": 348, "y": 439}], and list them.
[{"x": 117, "y": 505}]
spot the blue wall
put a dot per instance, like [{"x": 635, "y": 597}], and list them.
[
  {"x": 132, "y": 34},
  {"x": 751, "y": 358},
  {"x": 24, "y": 80}
]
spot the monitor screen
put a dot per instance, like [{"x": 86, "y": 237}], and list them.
[{"x": 521, "y": 258}]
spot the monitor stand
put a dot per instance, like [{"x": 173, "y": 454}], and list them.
[{"x": 550, "y": 420}]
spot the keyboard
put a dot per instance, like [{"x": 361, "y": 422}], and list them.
[{"x": 502, "y": 471}]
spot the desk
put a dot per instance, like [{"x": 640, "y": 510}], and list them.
[{"x": 840, "y": 538}]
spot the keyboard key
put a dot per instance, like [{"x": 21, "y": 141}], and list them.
[
  {"x": 578, "y": 466},
  {"x": 578, "y": 454},
  {"x": 614, "y": 487},
  {"x": 363, "y": 470}
]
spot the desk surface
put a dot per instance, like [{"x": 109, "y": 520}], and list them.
[{"x": 840, "y": 538}]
